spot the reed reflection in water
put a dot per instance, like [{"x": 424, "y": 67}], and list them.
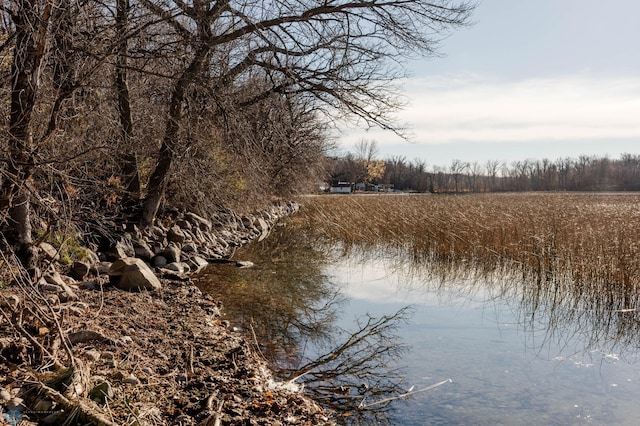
[{"x": 562, "y": 269}]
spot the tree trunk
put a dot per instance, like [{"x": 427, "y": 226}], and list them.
[
  {"x": 130, "y": 164},
  {"x": 31, "y": 26},
  {"x": 158, "y": 180}
]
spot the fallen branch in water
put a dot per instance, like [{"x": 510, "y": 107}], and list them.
[{"x": 411, "y": 392}]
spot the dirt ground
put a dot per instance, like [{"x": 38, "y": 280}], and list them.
[{"x": 150, "y": 358}]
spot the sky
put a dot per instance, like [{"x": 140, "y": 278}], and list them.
[{"x": 528, "y": 80}]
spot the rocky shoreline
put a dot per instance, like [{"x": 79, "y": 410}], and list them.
[{"x": 124, "y": 337}]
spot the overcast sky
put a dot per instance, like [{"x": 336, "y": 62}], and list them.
[{"x": 530, "y": 79}]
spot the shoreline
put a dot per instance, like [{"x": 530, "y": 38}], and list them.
[{"x": 86, "y": 350}]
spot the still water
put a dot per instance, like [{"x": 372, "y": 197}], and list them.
[
  {"x": 504, "y": 351},
  {"x": 505, "y": 368}
]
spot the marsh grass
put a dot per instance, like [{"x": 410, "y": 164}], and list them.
[
  {"x": 575, "y": 257},
  {"x": 591, "y": 236}
]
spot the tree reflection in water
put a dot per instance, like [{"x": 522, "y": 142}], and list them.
[
  {"x": 285, "y": 298},
  {"x": 288, "y": 306}
]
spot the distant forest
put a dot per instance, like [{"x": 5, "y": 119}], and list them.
[{"x": 585, "y": 173}]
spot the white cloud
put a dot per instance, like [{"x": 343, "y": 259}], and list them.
[{"x": 471, "y": 108}]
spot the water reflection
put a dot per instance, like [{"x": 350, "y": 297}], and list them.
[
  {"x": 286, "y": 299},
  {"x": 553, "y": 306},
  {"x": 531, "y": 346}
]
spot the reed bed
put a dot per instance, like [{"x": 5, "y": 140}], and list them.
[
  {"x": 570, "y": 258},
  {"x": 592, "y": 239}
]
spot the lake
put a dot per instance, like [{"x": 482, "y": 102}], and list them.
[{"x": 504, "y": 347}]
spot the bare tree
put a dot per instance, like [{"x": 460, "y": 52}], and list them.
[
  {"x": 31, "y": 19},
  {"x": 338, "y": 54},
  {"x": 130, "y": 165},
  {"x": 457, "y": 168}
]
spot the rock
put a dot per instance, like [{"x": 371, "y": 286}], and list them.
[
  {"x": 43, "y": 405},
  {"x": 54, "y": 278},
  {"x": 102, "y": 268},
  {"x": 199, "y": 222},
  {"x": 90, "y": 285},
  {"x": 189, "y": 248},
  {"x": 131, "y": 380},
  {"x": 184, "y": 225},
  {"x": 101, "y": 392},
  {"x": 175, "y": 267},
  {"x": 244, "y": 264},
  {"x": 4, "y": 395},
  {"x": 49, "y": 251},
  {"x": 123, "y": 248},
  {"x": 92, "y": 355},
  {"x": 125, "y": 340},
  {"x": 133, "y": 274},
  {"x": 11, "y": 301},
  {"x": 247, "y": 221},
  {"x": 15, "y": 404},
  {"x": 263, "y": 227},
  {"x": 159, "y": 261},
  {"x": 172, "y": 253},
  {"x": 79, "y": 270},
  {"x": 197, "y": 263},
  {"x": 176, "y": 235},
  {"x": 156, "y": 231},
  {"x": 65, "y": 292},
  {"x": 142, "y": 250}
]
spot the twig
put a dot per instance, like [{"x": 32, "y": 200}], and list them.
[
  {"x": 191, "y": 359},
  {"x": 255, "y": 341},
  {"x": 218, "y": 419}
]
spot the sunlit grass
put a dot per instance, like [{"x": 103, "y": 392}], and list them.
[{"x": 590, "y": 238}]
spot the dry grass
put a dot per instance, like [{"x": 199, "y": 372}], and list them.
[{"x": 590, "y": 238}]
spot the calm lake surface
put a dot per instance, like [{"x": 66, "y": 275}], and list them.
[{"x": 514, "y": 354}]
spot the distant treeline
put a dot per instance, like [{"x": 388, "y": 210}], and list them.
[{"x": 585, "y": 173}]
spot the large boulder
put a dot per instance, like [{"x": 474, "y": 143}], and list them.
[{"x": 132, "y": 274}]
